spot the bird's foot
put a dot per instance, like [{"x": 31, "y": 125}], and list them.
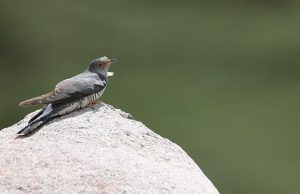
[{"x": 94, "y": 103}]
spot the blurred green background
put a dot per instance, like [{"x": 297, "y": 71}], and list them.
[{"x": 219, "y": 78}]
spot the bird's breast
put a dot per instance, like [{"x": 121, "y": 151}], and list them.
[
  {"x": 82, "y": 103},
  {"x": 91, "y": 98}
]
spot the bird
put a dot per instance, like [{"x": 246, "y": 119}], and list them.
[{"x": 70, "y": 94}]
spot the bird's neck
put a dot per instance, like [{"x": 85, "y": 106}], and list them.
[{"x": 102, "y": 77}]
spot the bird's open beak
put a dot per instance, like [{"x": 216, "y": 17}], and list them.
[{"x": 113, "y": 60}]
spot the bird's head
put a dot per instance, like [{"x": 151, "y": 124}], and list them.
[{"x": 101, "y": 65}]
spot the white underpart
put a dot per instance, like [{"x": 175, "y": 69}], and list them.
[
  {"x": 109, "y": 74},
  {"x": 82, "y": 103}
]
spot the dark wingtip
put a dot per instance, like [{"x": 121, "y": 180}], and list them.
[{"x": 25, "y": 103}]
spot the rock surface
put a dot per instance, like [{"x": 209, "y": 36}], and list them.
[{"x": 99, "y": 149}]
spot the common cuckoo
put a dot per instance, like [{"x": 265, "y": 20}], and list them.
[{"x": 71, "y": 94}]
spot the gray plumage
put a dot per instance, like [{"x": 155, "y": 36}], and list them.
[{"x": 70, "y": 94}]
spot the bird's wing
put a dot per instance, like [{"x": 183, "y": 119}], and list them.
[{"x": 69, "y": 89}]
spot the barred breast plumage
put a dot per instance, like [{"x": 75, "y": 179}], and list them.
[
  {"x": 82, "y": 103},
  {"x": 91, "y": 98}
]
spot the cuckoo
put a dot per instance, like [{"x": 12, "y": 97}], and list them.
[{"x": 70, "y": 94}]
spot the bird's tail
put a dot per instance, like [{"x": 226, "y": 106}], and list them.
[
  {"x": 37, "y": 120},
  {"x": 32, "y": 126}
]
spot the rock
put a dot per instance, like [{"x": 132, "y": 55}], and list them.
[{"x": 99, "y": 149}]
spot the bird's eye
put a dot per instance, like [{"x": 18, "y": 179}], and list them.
[{"x": 100, "y": 64}]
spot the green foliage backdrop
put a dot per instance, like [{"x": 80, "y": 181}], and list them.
[{"x": 221, "y": 79}]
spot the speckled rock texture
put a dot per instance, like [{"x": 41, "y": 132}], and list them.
[{"x": 99, "y": 149}]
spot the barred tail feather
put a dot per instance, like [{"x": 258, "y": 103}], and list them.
[
  {"x": 46, "y": 113},
  {"x": 39, "y": 119},
  {"x": 32, "y": 126},
  {"x": 37, "y": 115}
]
